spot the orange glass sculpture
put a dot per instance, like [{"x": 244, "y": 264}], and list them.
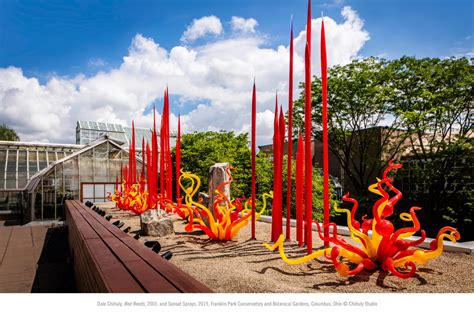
[
  {"x": 227, "y": 216},
  {"x": 381, "y": 246}
]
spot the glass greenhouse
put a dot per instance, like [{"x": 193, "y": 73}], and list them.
[{"x": 38, "y": 178}]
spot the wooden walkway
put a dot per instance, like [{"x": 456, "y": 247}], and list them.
[{"x": 20, "y": 249}]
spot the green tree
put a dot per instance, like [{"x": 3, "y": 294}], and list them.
[
  {"x": 7, "y": 133},
  {"x": 418, "y": 111},
  {"x": 359, "y": 96},
  {"x": 434, "y": 101}
]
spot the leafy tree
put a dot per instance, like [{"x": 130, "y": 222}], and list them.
[
  {"x": 7, "y": 133},
  {"x": 425, "y": 108},
  {"x": 358, "y": 104},
  {"x": 433, "y": 99}
]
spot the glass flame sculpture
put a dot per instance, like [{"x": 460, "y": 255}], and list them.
[
  {"x": 381, "y": 246},
  {"x": 140, "y": 193},
  {"x": 227, "y": 216},
  {"x": 136, "y": 198},
  {"x": 131, "y": 198}
]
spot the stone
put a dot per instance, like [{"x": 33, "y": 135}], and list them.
[
  {"x": 156, "y": 223},
  {"x": 217, "y": 175}
]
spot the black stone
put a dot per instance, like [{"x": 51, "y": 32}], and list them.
[
  {"x": 156, "y": 248},
  {"x": 151, "y": 243},
  {"x": 167, "y": 255}
]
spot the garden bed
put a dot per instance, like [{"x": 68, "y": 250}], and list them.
[{"x": 245, "y": 266}]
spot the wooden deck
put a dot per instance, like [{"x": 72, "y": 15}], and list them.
[
  {"x": 105, "y": 259},
  {"x": 20, "y": 249}
]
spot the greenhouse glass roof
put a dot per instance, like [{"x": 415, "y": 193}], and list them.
[
  {"x": 88, "y": 131},
  {"x": 99, "y": 126},
  {"x": 20, "y": 161}
]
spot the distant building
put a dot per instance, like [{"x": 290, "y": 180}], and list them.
[
  {"x": 336, "y": 171},
  {"x": 391, "y": 141}
]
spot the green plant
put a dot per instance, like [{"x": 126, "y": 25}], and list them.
[{"x": 8, "y": 134}]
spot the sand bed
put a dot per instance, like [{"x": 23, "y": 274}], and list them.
[{"x": 245, "y": 266}]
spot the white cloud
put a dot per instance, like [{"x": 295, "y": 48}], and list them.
[
  {"x": 343, "y": 41},
  {"x": 218, "y": 76},
  {"x": 96, "y": 63},
  {"x": 200, "y": 27},
  {"x": 333, "y": 3},
  {"x": 240, "y": 24}
]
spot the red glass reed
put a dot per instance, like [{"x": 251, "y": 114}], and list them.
[
  {"x": 253, "y": 139},
  {"x": 276, "y": 205},
  {"x": 290, "y": 136},
  {"x": 325, "y": 134},
  {"x": 299, "y": 190},
  {"x": 308, "y": 151},
  {"x": 178, "y": 159}
]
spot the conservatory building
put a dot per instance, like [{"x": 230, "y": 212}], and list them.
[{"x": 36, "y": 178}]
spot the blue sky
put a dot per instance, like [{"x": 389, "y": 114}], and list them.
[
  {"x": 70, "y": 37},
  {"x": 62, "y": 61}
]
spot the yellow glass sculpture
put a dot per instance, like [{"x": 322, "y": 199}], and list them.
[{"x": 227, "y": 217}]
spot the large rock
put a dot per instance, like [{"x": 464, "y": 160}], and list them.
[
  {"x": 217, "y": 175},
  {"x": 156, "y": 223}
]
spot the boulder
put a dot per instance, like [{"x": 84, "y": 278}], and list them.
[{"x": 156, "y": 223}]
